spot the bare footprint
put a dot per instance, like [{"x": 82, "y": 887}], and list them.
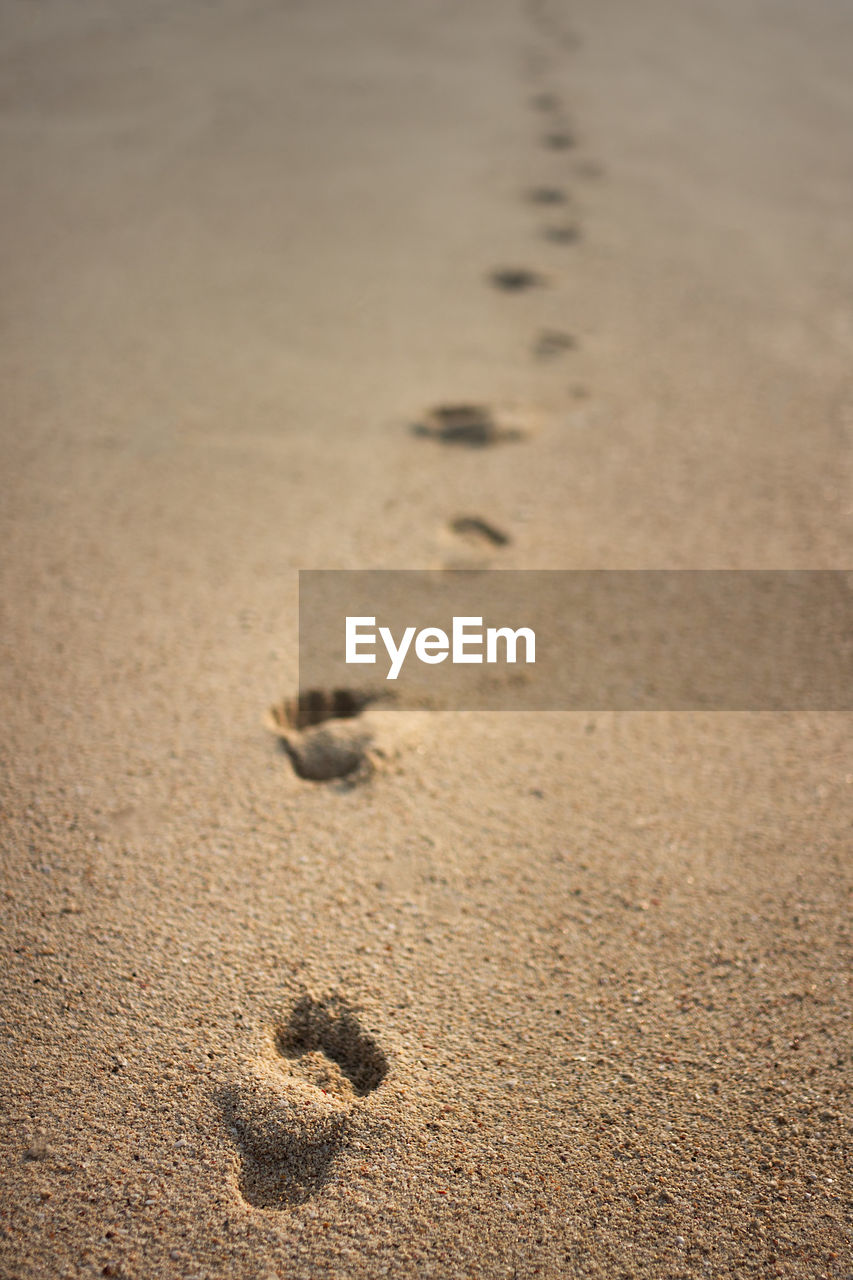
[
  {"x": 545, "y": 102},
  {"x": 479, "y": 532},
  {"x": 515, "y": 279},
  {"x": 342, "y": 735},
  {"x": 547, "y": 195},
  {"x": 551, "y": 25},
  {"x": 589, "y": 169},
  {"x": 318, "y": 734},
  {"x": 553, "y": 342},
  {"x": 474, "y": 425},
  {"x": 288, "y": 1111},
  {"x": 329, "y": 1029},
  {"x": 559, "y": 140},
  {"x": 568, "y": 233}
]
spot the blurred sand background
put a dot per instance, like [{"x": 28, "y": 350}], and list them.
[{"x": 602, "y": 959}]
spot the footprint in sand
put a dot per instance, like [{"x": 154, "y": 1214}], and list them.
[
  {"x": 545, "y": 102},
  {"x": 479, "y": 533},
  {"x": 553, "y": 342},
  {"x": 342, "y": 735},
  {"x": 567, "y": 233},
  {"x": 589, "y": 169},
  {"x": 471, "y": 543},
  {"x": 559, "y": 140},
  {"x": 515, "y": 279},
  {"x": 289, "y": 1110},
  {"x": 320, "y": 733},
  {"x": 551, "y": 25},
  {"x": 547, "y": 195},
  {"x": 474, "y": 425}
]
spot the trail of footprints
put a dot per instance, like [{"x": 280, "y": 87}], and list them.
[
  {"x": 323, "y": 733},
  {"x": 290, "y": 1111}
]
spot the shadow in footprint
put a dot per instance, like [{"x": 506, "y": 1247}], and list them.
[
  {"x": 553, "y": 342},
  {"x": 317, "y": 733},
  {"x": 589, "y": 169},
  {"x": 288, "y": 1135},
  {"x": 330, "y": 1028},
  {"x": 545, "y": 102},
  {"x": 478, "y": 532},
  {"x": 289, "y": 1117},
  {"x": 551, "y": 26},
  {"x": 317, "y": 705},
  {"x": 515, "y": 279},
  {"x": 568, "y": 233},
  {"x": 559, "y": 140},
  {"x": 473, "y": 425},
  {"x": 547, "y": 195}
]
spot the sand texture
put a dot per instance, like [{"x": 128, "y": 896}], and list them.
[{"x": 414, "y": 284}]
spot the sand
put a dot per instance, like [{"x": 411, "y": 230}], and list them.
[{"x": 532, "y": 994}]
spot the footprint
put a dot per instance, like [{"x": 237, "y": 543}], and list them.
[
  {"x": 288, "y": 1132},
  {"x": 289, "y": 1110},
  {"x": 589, "y": 169},
  {"x": 553, "y": 342},
  {"x": 317, "y": 705},
  {"x": 548, "y": 195},
  {"x": 329, "y": 1028},
  {"x": 315, "y": 731},
  {"x": 515, "y": 279},
  {"x": 478, "y": 532},
  {"x": 467, "y": 424},
  {"x": 545, "y": 102},
  {"x": 559, "y": 140},
  {"x": 568, "y": 233},
  {"x": 551, "y": 26}
]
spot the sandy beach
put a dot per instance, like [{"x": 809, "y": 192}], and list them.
[{"x": 536, "y": 994}]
